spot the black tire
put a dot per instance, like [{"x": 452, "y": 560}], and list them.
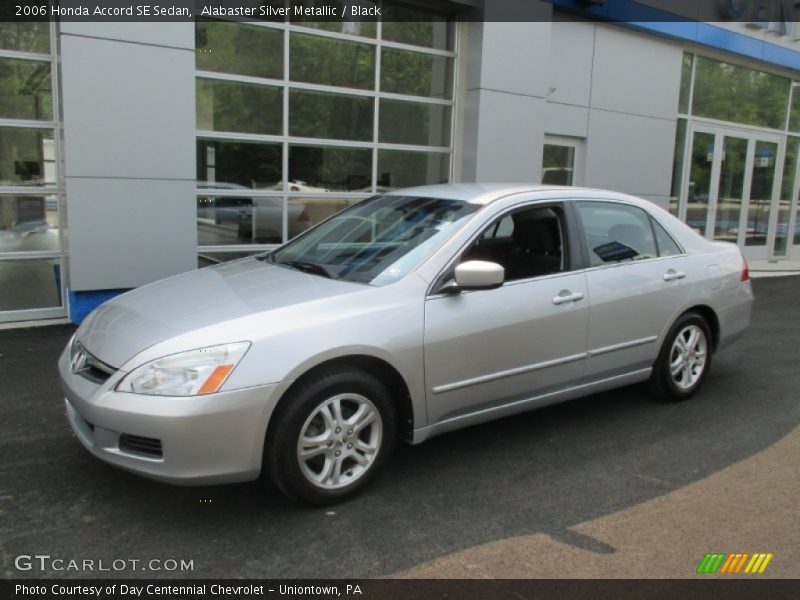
[
  {"x": 662, "y": 384},
  {"x": 281, "y": 460}
]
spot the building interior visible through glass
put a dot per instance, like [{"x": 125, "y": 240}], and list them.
[
  {"x": 285, "y": 142},
  {"x": 30, "y": 245},
  {"x": 737, "y": 129},
  {"x": 295, "y": 121},
  {"x": 558, "y": 164}
]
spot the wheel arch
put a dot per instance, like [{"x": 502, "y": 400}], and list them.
[
  {"x": 378, "y": 367},
  {"x": 710, "y": 315}
]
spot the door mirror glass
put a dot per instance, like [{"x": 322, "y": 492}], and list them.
[{"x": 479, "y": 274}]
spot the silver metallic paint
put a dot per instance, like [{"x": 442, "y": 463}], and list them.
[{"x": 465, "y": 358}]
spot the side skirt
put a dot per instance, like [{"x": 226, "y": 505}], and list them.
[{"x": 526, "y": 404}]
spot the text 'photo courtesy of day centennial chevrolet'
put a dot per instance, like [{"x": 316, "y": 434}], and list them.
[{"x": 410, "y": 314}]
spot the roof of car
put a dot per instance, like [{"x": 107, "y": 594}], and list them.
[{"x": 481, "y": 193}]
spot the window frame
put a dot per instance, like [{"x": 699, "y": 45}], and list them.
[
  {"x": 578, "y": 146},
  {"x": 571, "y": 247},
  {"x": 585, "y": 250},
  {"x": 653, "y": 223},
  {"x": 47, "y": 189},
  {"x": 376, "y": 94}
]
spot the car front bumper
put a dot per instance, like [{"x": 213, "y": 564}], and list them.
[{"x": 215, "y": 438}]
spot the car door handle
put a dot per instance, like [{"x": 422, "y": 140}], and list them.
[
  {"x": 566, "y": 296},
  {"x": 673, "y": 274}
]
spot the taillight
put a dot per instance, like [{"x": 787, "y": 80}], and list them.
[
  {"x": 304, "y": 216},
  {"x": 745, "y": 271}
]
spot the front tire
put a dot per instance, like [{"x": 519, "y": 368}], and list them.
[
  {"x": 330, "y": 436},
  {"x": 684, "y": 359}
]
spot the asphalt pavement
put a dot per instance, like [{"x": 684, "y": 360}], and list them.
[{"x": 558, "y": 492}]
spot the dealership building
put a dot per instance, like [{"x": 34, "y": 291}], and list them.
[{"x": 132, "y": 151}]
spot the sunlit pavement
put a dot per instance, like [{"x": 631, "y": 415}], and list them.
[
  {"x": 782, "y": 268},
  {"x": 613, "y": 485},
  {"x": 750, "y": 507}
]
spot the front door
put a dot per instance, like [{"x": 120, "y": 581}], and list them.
[
  {"x": 489, "y": 347},
  {"x": 733, "y": 188}
]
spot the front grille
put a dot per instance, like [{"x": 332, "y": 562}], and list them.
[
  {"x": 136, "y": 444},
  {"x": 89, "y": 366}
]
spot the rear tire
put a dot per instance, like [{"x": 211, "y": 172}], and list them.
[
  {"x": 330, "y": 436},
  {"x": 684, "y": 359}
]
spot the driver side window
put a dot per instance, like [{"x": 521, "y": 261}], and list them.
[{"x": 527, "y": 243}]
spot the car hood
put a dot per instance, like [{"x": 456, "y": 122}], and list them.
[{"x": 121, "y": 328}]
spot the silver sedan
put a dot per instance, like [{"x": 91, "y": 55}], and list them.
[{"x": 413, "y": 313}]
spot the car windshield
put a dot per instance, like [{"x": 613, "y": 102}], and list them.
[{"x": 376, "y": 241}]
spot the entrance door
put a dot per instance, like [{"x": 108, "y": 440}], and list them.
[
  {"x": 786, "y": 224},
  {"x": 732, "y": 191}
]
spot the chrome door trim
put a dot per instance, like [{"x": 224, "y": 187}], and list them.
[
  {"x": 449, "y": 387},
  {"x": 518, "y": 406},
  {"x": 622, "y": 346}
]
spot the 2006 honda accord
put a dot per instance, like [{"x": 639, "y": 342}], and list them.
[{"x": 410, "y": 314}]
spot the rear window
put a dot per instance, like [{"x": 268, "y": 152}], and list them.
[
  {"x": 666, "y": 245},
  {"x": 616, "y": 232}
]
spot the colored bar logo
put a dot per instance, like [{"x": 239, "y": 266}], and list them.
[{"x": 734, "y": 564}]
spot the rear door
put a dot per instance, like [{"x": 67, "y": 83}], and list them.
[
  {"x": 489, "y": 347},
  {"x": 638, "y": 280}
]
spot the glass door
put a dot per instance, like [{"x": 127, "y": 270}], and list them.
[
  {"x": 762, "y": 191},
  {"x": 698, "y": 187},
  {"x": 785, "y": 224},
  {"x": 31, "y": 242},
  {"x": 730, "y": 190},
  {"x": 733, "y": 192}
]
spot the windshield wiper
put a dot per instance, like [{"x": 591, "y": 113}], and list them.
[{"x": 308, "y": 267}]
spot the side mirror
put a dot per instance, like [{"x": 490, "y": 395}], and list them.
[{"x": 479, "y": 275}]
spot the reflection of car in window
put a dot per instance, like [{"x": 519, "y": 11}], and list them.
[
  {"x": 232, "y": 210},
  {"x": 24, "y": 215},
  {"x": 557, "y": 175},
  {"x": 258, "y": 219}
]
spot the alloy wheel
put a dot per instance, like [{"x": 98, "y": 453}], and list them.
[
  {"x": 687, "y": 359},
  {"x": 339, "y": 441}
]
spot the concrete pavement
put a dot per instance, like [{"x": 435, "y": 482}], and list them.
[
  {"x": 751, "y": 506},
  {"x": 612, "y": 485}
]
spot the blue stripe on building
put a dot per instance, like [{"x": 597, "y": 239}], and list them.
[{"x": 661, "y": 22}]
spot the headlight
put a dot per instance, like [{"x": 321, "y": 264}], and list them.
[{"x": 191, "y": 373}]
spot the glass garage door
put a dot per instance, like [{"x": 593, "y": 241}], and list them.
[{"x": 31, "y": 258}]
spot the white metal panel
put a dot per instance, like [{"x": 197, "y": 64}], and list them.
[
  {"x": 564, "y": 119},
  {"x": 570, "y": 64},
  {"x": 128, "y": 232},
  {"x": 629, "y": 153},
  {"x": 513, "y": 57},
  {"x": 635, "y": 73},
  {"x": 510, "y": 132},
  {"x": 129, "y": 109},
  {"x": 173, "y": 34}
]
